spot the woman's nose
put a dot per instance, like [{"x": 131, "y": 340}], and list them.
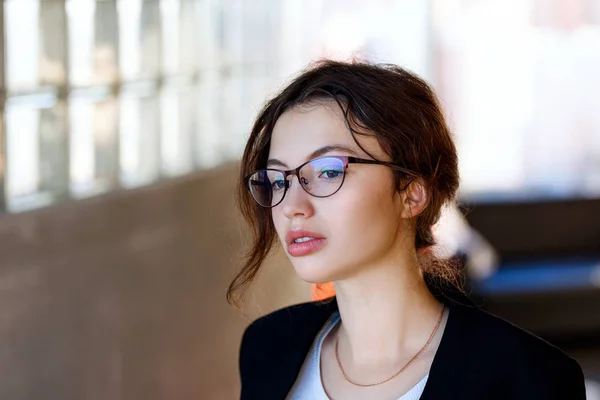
[{"x": 296, "y": 201}]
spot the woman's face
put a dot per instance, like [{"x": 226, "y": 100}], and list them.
[{"x": 361, "y": 224}]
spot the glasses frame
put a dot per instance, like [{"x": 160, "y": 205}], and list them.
[{"x": 296, "y": 171}]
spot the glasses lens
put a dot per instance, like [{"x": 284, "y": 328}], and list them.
[
  {"x": 267, "y": 187},
  {"x": 322, "y": 177}
]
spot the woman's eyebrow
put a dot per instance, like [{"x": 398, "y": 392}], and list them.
[{"x": 319, "y": 152}]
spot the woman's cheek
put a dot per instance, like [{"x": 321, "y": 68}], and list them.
[{"x": 279, "y": 226}]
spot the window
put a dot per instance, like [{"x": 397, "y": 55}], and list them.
[{"x": 106, "y": 95}]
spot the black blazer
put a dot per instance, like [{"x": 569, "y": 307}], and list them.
[{"x": 479, "y": 357}]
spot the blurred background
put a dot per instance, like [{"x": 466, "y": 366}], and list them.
[{"x": 122, "y": 123}]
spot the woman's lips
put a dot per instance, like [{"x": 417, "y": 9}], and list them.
[{"x": 305, "y": 248}]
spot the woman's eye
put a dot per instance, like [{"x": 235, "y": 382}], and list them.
[
  {"x": 278, "y": 185},
  {"x": 331, "y": 174}
]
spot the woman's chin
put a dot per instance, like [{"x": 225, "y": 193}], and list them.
[{"x": 314, "y": 273}]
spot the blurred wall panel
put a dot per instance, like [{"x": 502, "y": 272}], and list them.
[{"x": 121, "y": 296}]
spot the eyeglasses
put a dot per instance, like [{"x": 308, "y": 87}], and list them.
[{"x": 321, "y": 177}]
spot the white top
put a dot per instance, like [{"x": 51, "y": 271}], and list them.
[{"x": 309, "y": 385}]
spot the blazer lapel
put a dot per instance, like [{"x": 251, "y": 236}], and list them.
[
  {"x": 302, "y": 332},
  {"x": 446, "y": 374}
]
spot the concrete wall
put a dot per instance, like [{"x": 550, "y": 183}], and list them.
[{"x": 123, "y": 296}]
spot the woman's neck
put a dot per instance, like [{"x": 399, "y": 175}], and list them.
[{"x": 387, "y": 313}]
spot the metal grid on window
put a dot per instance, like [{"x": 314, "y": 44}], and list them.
[{"x": 101, "y": 95}]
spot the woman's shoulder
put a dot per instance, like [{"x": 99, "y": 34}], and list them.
[
  {"x": 498, "y": 335},
  {"x": 291, "y": 321},
  {"x": 503, "y": 349},
  {"x": 274, "y": 346}
]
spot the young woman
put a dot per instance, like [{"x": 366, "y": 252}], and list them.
[{"x": 348, "y": 168}]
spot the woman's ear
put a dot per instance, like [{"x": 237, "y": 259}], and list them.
[{"x": 414, "y": 199}]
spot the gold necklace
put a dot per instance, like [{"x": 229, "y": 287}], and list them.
[{"x": 337, "y": 357}]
